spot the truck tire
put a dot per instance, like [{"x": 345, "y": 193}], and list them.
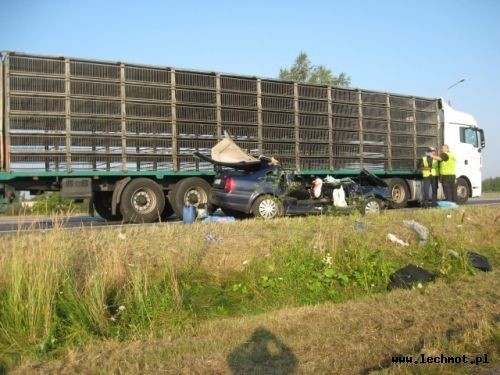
[
  {"x": 400, "y": 192},
  {"x": 102, "y": 205},
  {"x": 371, "y": 206},
  {"x": 142, "y": 201},
  {"x": 168, "y": 210},
  {"x": 192, "y": 190},
  {"x": 267, "y": 207},
  {"x": 463, "y": 191}
]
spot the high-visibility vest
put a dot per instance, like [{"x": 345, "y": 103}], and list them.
[
  {"x": 429, "y": 170},
  {"x": 447, "y": 168}
]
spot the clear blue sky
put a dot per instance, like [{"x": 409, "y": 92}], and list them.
[{"x": 409, "y": 47}]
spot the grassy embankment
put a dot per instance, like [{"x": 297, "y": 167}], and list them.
[{"x": 213, "y": 298}]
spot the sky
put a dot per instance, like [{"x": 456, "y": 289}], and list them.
[{"x": 408, "y": 47}]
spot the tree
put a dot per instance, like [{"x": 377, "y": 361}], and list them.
[
  {"x": 491, "y": 184},
  {"x": 303, "y": 71}
]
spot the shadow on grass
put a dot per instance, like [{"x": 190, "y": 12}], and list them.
[{"x": 262, "y": 353}]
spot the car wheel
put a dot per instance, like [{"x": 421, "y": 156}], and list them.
[
  {"x": 267, "y": 207},
  {"x": 462, "y": 194},
  {"x": 371, "y": 206},
  {"x": 399, "y": 192},
  {"x": 142, "y": 201}
]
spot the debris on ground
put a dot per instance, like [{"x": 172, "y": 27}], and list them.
[
  {"x": 359, "y": 225},
  {"x": 447, "y": 204},
  {"x": 212, "y": 237},
  {"x": 219, "y": 219},
  {"x": 421, "y": 231},
  {"x": 391, "y": 237},
  {"x": 408, "y": 277},
  {"x": 479, "y": 261}
]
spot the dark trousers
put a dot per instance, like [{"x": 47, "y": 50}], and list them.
[
  {"x": 449, "y": 188},
  {"x": 429, "y": 190}
]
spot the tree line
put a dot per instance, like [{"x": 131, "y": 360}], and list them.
[{"x": 491, "y": 184}]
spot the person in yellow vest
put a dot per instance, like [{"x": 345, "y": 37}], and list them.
[
  {"x": 447, "y": 165},
  {"x": 430, "y": 172}
]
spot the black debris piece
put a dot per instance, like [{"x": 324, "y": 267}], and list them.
[
  {"x": 407, "y": 277},
  {"x": 479, "y": 261}
]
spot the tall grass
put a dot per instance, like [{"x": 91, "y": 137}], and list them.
[{"x": 63, "y": 289}]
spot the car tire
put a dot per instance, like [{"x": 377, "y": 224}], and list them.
[
  {"x": 186, "y": 190},
  {"x": 102, "y": 204},
  {"x": 463, "y": 191},
  {"x": 400, "y": 193},
  {"x": 267, "y": 207},
  {"x": 142, "y": 201},
  {"x": 371, "y": 206}
]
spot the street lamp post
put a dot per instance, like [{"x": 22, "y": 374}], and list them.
[{"x": 456, "y": 83}]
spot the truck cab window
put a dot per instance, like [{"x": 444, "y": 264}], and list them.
[{"x": 469, "y": 136}]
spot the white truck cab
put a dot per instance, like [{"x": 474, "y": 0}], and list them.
[{"x": 466, "y": 140}]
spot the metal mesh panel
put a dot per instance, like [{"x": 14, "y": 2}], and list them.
[
  {"x": 37, "y": 84},
  {"x": 375, "y": 125},
  {"x": 274, "y": 133},
  {"x": 318, "y": 135},
  {"x": 156, "y": 128},
  {"x": 315, "y": 92},
  {"x": 427, "y": 117},
  {"x": 35, "y": 162},
  {"x": 147, "y": 92},
  {"x": 346, "y": 163},
  {"x": 278, "y": 119},
  {"x": 37, "y": 143},
  {"x": 313, "y": 106},
  {"x": 196, "y": 96},
  {"x": 346, "y": 137},
  {"x": 26, "y": 64},
  {"x": 344, "y": 95},
  {"x": 95, "y": 125},
  {"x": 190, "y": 79},
  {"x": 401, "y": 115},
  {"x": 401, "y": 101},
  {"x": 425, "y": 105},
  {"x": 242, "y": 131},
  {"x": 145, "y": 145},
  {"x": 188, "y": 146},
  {"x": 427, "y": 129},
  {"x": 314, "y": 163},
  {"x": 239, "y": 100},
  {"x": 190, "y": 163},
  {"x": 239, "y": 116},
  {"x": 238, "y": 84},
  {"x": 37, "y": 104},
  {"x": 95, "y": 107},
  {"x": 313, "y": 121},
  {"x": 277, "y": 88},
  {"x": 96, "y": 162},
  {"x": 287, "y": 162},
  {"x": 95, "y": 70},
  {"x": 374, "y": 152},
  {"x": 402, "y": 152},
  {"x": 148, "y": 110},
  {"x": 90, "y": 88},
  {"x": 346, "y": 150},
  {"x": 342, "y": 123},
  {"x": 96, "y": 144},
  {"x": 146, "y": 74},
  {"x": 402, "y": 127},
  {"x": 313, "y": 149},
  {"x": 345, "y": 110},
  {"x": 373, "y": 138},
  {"x": 35, "y": 124},
  {"x": 250, "y": 147},
  {"x": 279, "y": 103},
  {"x": 374, "y": 112},
  {"x": 403, "y": 164},
  {"x": 187, "y": 129},
  {"x": 401, "y": 140},
  {"x": 374, "y": 98},
  {"x": 426, "y": 141},
  {"x": 278, "y": 148},
  {"x": 196, "y": 113}
]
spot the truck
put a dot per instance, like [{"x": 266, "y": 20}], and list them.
[{"x": 124, "y": 135}]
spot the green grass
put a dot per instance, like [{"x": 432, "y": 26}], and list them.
[{"x": 70, "y": 289}]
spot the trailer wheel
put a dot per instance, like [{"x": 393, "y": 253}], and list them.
[
  {"x": 463, "y": 191},
  {"x": 192, "y": 190},
  {"x": 371, "y": 206},
  {"x": 168, "y": 210},
  {"x": 102, "y": 204},
  {"x": 267, "y": 207},
  {"x": 399, "y": 192},
  {"x": 142, "y": 201}
]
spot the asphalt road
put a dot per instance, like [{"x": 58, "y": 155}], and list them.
[{"x": 9, "y": 224}]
